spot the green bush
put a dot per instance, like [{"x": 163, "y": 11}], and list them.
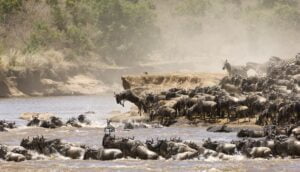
[
  {"x": 81, "y": 12},
  {"x": 2, "y": 47},
  {"x": 289, "y": 15},
  {"x": 127, "y": 29},
  {"x": 77, "y": 39},
  {"x": 7, "y": 7},
  {"x": 42, "y": 36},
  {"x": 273, "y": 3},
  {"x": 279, "y": 14},
  {"x": 117, "y": 30},
  {"x": 193, "y": 7}
]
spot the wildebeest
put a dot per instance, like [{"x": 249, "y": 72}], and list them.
[
  {"x": 165, "y": 114},
  {"x": 172, "y": 149},
  {"x": 260, "y": 152},
  {"x": 131, "y": 97},
  {"x": 250, "y": 133}
]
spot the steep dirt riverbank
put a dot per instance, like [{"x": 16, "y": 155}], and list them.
[
  {"x": 84, "y": 80},
  {"x": 159, "y": 82},
  {"x": 75, "y": 85},
  {"x": 90, "y": 79}
]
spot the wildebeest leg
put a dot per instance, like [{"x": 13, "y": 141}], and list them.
[
  {"x": 212, "y": 113},
  {"x": 140, "y": 110},
  {"x": 222, "y": 114},
  {"x": 228, "y": 116},
  {"x": 216, "y": 116},
  {"x": 161, "y": 120},
  {"x": 248, "y": 115}
]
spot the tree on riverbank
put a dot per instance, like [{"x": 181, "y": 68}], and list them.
[
  {"x": 126, "y": 32},
  {"x": 110, "y": 31}
]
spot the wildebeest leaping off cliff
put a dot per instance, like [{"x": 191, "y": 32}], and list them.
[{"x": 271, "y": 97}]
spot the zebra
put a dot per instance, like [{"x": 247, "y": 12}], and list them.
[{"x": 235, "y": 70}]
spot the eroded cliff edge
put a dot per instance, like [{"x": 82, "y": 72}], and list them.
[{"x": 155, "y": 83}]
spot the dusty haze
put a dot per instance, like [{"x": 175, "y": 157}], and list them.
[{"x": 223, "y": 33}]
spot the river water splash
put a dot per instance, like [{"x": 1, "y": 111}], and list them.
[{"x": 72, "y": 106}]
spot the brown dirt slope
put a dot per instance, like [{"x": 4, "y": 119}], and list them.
[{"x": 159, "y": 82}]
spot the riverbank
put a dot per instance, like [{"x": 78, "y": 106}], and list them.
[
  {"x": 155, "y": 83},
  {"x": 93, "y": 78}
]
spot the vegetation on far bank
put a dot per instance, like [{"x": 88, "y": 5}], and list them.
[
  {"x": 108, "y": 31},
  {"x": 61, "y": 35}
]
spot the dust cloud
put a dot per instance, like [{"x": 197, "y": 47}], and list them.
[{"x": 203, "y": 43}]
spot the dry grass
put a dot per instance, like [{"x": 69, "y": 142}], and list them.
[{"x": 43, "y": 60}]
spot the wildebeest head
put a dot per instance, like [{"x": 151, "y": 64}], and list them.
[
  {"x": 25, "y": 142},
  {"x": 91, "y": 154},
  {"x": 81, "y": 118},
  {"x": 208, "y": 144},
  {"x": 56, "y": 121},
  {"x": 119, "y": 99},
  {"x": 3, "y": 151},
  {"x": 149, "y": 141}
]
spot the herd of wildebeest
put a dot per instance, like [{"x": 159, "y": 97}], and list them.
[
  {"x": 271, "y": 98},
  {"x": 52, "y": 122},
  {"x": 271, "y": 142}
]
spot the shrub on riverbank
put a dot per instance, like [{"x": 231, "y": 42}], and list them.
[{"x": 111, "y": 31}]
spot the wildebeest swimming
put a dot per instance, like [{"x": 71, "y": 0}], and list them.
[
  {"x": 271, "y": 142},
  {"x": 55, "y": 122},
  {"x": 270, "y": 99},
  {"x": 277, "y": 142},
  {"x": 4, "y": 125}
]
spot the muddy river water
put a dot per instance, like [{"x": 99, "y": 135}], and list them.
[{"x": 72, "y": 106}]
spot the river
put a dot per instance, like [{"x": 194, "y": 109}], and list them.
[{"x": 72, "y": 106}]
